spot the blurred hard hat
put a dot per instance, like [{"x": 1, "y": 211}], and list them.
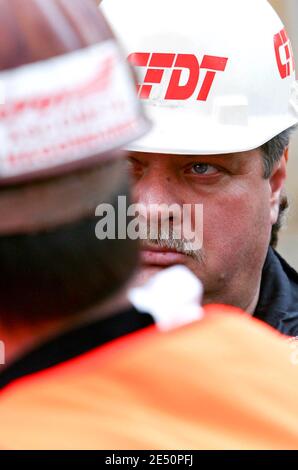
[
  {"x": 215, "y": 77},
  {"x": 67, "y": 95}
]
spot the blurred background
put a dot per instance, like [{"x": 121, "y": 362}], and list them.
[{"x": 288, "y": 246}]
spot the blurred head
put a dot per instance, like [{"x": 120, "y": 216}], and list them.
[{"x": 52, "y": 264}]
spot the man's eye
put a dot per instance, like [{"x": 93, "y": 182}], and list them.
[{"x": 203, "y": 169}]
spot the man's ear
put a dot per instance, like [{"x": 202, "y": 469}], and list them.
[{"x": 277, "y": 181}]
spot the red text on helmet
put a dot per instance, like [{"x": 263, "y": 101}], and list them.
[
  {"x": 157, "y": 63},
  {"x": 284, "y": 54}
]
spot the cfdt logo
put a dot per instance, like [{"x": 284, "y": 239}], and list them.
[
  {"x": 185, "y": 73},
  {"x": 284, "y": 54}
]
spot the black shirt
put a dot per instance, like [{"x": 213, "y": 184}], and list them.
[
  {"x": 76, "y": 342},
  {"x": 278, "y": 301}
]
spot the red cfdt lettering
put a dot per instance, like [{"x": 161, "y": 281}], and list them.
[
  {"x": 156, "y": 64},
  {"x": 284, "y": 54}
]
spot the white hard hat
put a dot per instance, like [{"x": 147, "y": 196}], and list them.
[{"x": 215, "y": 76}]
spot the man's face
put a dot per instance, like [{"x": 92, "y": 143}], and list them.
[{"x": 237, "y": 218}]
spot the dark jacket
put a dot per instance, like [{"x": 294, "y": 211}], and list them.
[{"x": 278, "y": 301}]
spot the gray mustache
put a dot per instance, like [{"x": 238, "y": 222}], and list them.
[{"x": 168, "y": 240}]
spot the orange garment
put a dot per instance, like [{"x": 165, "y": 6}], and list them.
[{"x": 225, "y": 382}]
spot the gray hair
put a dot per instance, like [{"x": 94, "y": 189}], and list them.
[{"x": 272, "y": 152}]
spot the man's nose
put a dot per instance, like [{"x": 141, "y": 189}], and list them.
[
  {"x": 156, "y": 193},
  {"x": 157, "y": 186}
]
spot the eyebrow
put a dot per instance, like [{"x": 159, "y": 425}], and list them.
[
  {"x": 226, "y": 158},
  {"x": 236, "y": 158}
]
